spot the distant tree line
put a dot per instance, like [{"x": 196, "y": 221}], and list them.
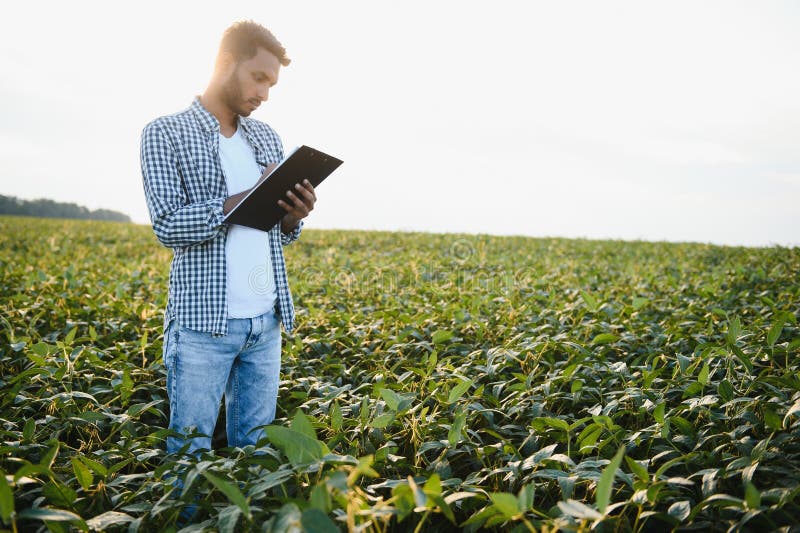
[{"x": 41, "y": 207}]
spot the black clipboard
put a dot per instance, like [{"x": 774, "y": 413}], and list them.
[{"x": 259, "y": 209}]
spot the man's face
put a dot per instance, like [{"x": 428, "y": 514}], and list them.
[{"x": 249, "y": 82}]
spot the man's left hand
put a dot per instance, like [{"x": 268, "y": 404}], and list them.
[{"x": 302, "y": 200}]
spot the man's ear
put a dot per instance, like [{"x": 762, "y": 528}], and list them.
[{"x": 226, "y": 64}]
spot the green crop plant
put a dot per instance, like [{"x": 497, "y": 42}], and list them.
[{"x": 434, "y": 383}]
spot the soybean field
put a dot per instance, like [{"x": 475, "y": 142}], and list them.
[{"x": 433, "y": 383}]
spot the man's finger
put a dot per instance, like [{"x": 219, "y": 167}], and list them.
[
  {"x": 300, "y": 206},
  {"x": 309, "y": 195},
  {"x": 307, "y": 185}
]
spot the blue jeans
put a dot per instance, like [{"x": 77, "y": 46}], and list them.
[{"x": 244, "y": 364}]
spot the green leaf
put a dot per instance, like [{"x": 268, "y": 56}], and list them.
[
  {"x": 336, "y": 416},
  {"x": 590, "y": 301},
  {"x": 59, "y": 494},
  {"x": 743, "y": 357},
  {"x": 578, "y": 509},
  {"x": 230, "y": 491},
  {"x": 96, "y": 466},
  {"x": 443, "y": 506},
  {"x": 459, "y": 390},
  {"x": 6, "y": 498},
  {"x": 420, "y": 498},
  {"x": 441, "y": 336},
  {"x": 606, "y": 482},
  {"x": 725, "y": 390},
  {"x": 506, "y": 503},
  {"x": 298, "y": 447},
  {"x": 29, "y": 430},
  {"x": 126, "y": 388},
  {"x": 658, "y": 412},
  {"x": 383, "y": 420},
  {"x": 82, "y": 473},
  {"x": 752, "y": 496},
  {"x": 734, "y": 330},
  {"x": 364, "y": 467},
  {"x": 70, "y": 335},
  {"x": 302, "y": 424},
  {"x": 454, "y": 435},
  {"x": 709, "y": 484},
  {"x": 665, "y": 429},
  {"x": 109, "y": 518},
  {"x": 433, "y": 486},
  {"x": 403, "y": 501},
  {"x": 433, "y": 358},
  {"x": 143, "y": 341},
  {"x": 588, "y": 437},
  {"x": 639, "y": 302},
  {"x": 273, "y": 479},
  {"x": 55, "y": 515},
  {"x": 794, "y": 410},
  {"x": 525, "y": 496},
  {"x": 725, "y": 501},
  {"x": 405, "y": 401},
  {"x": 702, "y": 378},
  {"x": 92, "y": 333},
  {"x": 391, "y": 398},
  {"x": 553, "y": 422},
  {"x": 773, "y": 420},
  {"x": 320, "y": 497},
  {"x": 637, "y": 468},
  {"x": 775, "y": 330},
  {"x": 48, "y": 458},
  {"x": 315, "y": 521},
  {"x": 287, "y": 520},
  {"x": 228, "y": 518},
  {"x": 604, "y": 338},
  {"x": 680, "y": 510}
]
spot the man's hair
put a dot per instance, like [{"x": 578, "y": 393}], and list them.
[{"x": 243, "y": 39}]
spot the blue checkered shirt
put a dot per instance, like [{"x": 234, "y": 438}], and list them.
[{"x": 185, "y": 190}]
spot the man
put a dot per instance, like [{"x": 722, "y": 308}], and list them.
[{"x": 227, "y": 286}]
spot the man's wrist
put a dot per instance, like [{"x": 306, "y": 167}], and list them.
[{"x": 288, "y": 224}]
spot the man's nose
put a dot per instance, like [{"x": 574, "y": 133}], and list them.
[{"x": 263, "y": 93}]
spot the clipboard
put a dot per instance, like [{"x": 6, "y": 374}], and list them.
[{"x": 259, "y": 209}]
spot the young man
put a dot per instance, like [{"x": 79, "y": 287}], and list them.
[{"x": 227, "y": 285}]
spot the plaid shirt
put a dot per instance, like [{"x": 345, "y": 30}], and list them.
[{"x": 185, "y": 190}]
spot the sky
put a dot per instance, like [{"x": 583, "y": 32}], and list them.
[{"x": 675, "y": 121}]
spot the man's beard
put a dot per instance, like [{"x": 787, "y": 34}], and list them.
[{"x": 232, "y": 96}]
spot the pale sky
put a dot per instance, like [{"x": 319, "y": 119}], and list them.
[{"x": 675, "y": 121}]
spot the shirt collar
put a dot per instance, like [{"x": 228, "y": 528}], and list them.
[{"x": 209, "y": 122}]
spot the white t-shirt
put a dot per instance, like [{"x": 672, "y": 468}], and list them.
[{"x": 251, "y": 287}]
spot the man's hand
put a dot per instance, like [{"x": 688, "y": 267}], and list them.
[
  {"x": 234, "y": 199},
  {"x": 303, "y": 199}
]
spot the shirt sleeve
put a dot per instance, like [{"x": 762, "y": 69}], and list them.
[
  {"x": 176, "y": 223},
  {"x": 289, "y": 238}
]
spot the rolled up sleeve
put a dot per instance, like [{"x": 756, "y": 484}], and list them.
[{"x": 289, "y": 238}]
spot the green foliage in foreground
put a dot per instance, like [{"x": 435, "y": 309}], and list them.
[{"x": 435, "y": 382}]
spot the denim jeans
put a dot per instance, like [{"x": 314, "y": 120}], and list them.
[{"x": 244, "y": 364}]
